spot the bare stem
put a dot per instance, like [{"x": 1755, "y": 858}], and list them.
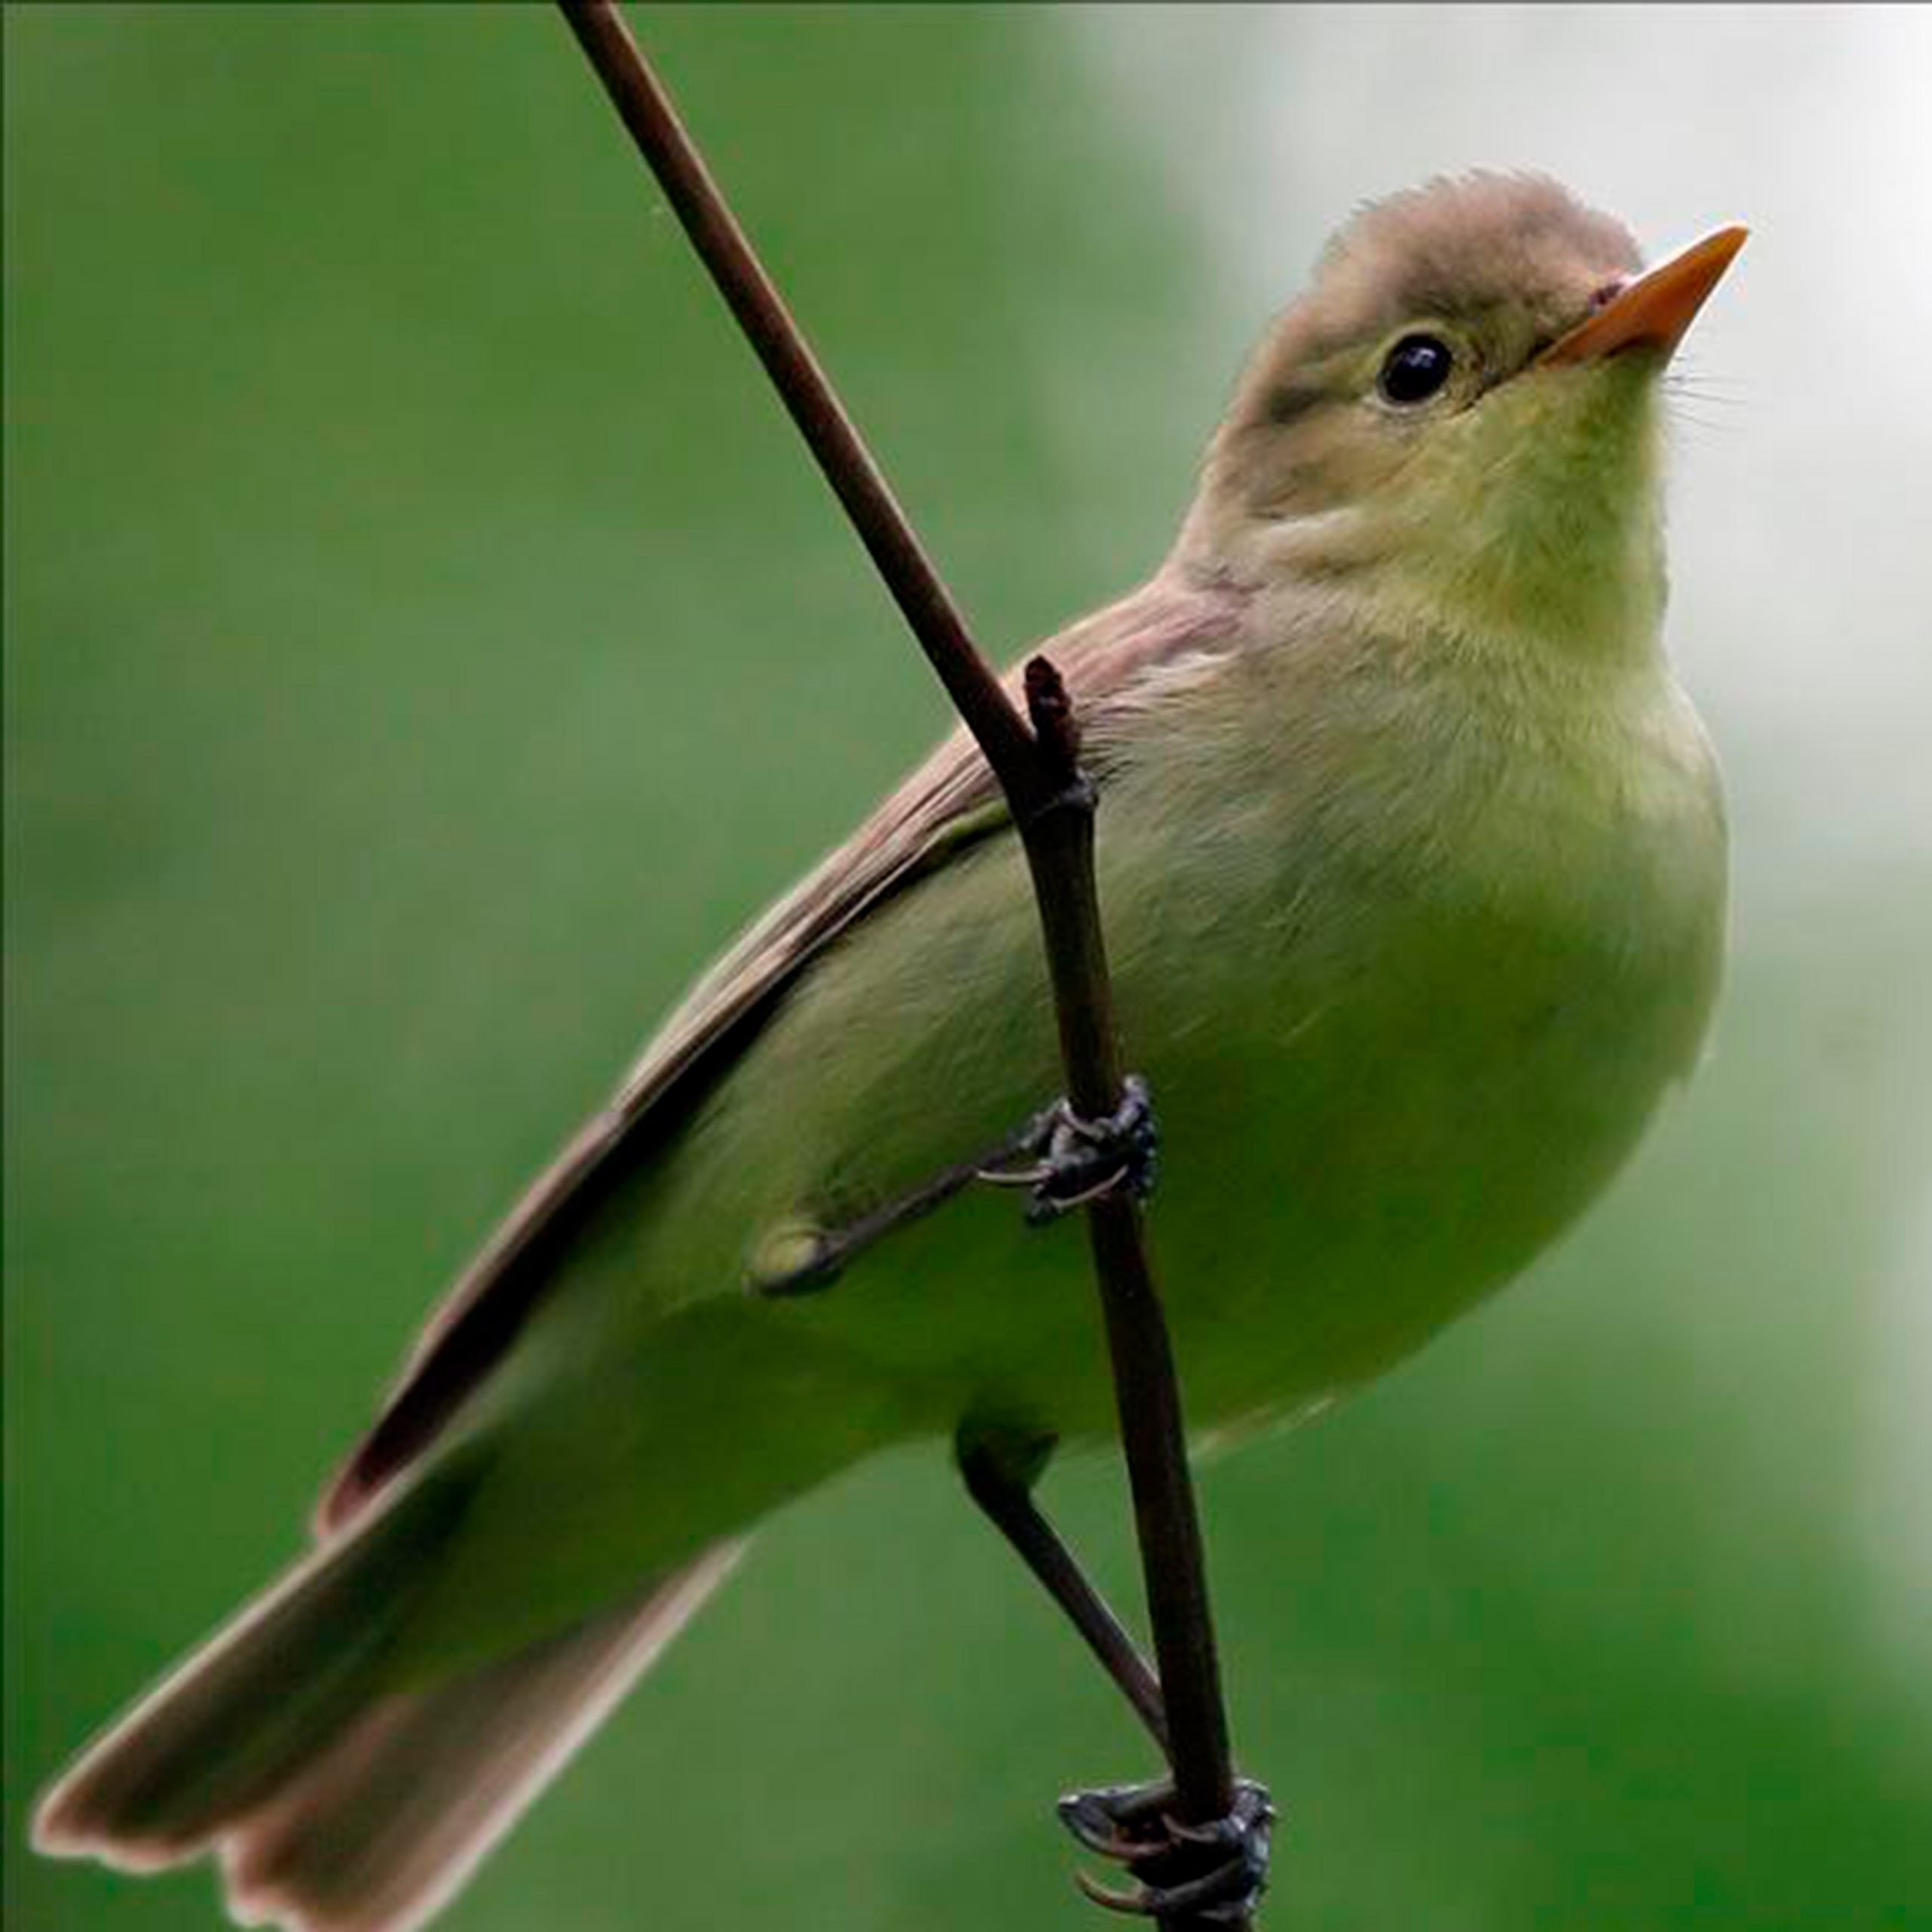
[{"x": 1036, "y": 760}]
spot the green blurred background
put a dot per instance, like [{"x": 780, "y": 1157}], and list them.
[{"x": 425, "y": 643}]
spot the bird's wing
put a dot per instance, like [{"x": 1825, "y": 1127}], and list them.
[{"x": 1108, "y": 661}]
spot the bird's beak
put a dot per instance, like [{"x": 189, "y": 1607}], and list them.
[{"x": 1656, "y": 309}]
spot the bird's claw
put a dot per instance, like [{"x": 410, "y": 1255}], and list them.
[
  {"x": 1214, "y": 1872},
  {"x": 1064, "y": 1161}
]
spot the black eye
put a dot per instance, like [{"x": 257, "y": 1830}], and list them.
[{"x": 1415, "y": 368}]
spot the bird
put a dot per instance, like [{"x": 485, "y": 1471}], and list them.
[{"x": 1412, "y": 854}]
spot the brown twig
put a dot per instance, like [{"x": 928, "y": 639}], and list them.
[{"x": 1038, "y": 766}]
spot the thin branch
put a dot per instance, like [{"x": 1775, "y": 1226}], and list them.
[
  {"x": 1147, "y": 1390},
  {"x": 1038, "y": 768}
]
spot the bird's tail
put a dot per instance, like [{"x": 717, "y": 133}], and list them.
[{"x": 336, "y": 1801}]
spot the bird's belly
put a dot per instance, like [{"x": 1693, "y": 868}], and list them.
[
  {"x": 1336, "y": 1193},
  {"x": 1355, "y": 1148}
]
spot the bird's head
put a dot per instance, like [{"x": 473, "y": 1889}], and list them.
[{"x": 1461, "y": 414}]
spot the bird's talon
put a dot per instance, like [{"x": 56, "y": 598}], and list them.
[
  {"x": 1135, "y": 1902},
  {"x": 1099, "y": 1831},
  {"x": 1108, "y": 1808},
  {"x": 1215, "y": 1870},
  {"x": 1029, "y": 1176},
  {"x": 1111, "y": 1845},
  {"x": 1074, "y": 1161}
]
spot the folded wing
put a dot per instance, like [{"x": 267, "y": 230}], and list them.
[{"x": 1108, "y": 661}]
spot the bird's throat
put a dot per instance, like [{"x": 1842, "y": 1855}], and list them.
[
  {"x": 1532, "y": 523},
  {"x": 1543, "y": 522}
]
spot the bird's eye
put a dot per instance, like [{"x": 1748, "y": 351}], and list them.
[{"x": 1415, "y": 369}]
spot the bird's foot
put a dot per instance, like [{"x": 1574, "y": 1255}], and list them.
[
  {"x": 1064, "y": 1161},
  {"x": 1214, "y": 1872}
]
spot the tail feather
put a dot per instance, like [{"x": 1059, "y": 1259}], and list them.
[
  {"x": 384, "y": 1827},
  {"x": 230, "y": 1726},
  {"x": 336, "y": 1802}
]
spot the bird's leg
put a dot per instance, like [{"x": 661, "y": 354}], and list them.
[
  {"x": 804, "y": 1259},
  {"x": 1213, "y": 1872},
  {"x": 1000, "y": 1468},
  {"x": 1062, "y": 1160}
]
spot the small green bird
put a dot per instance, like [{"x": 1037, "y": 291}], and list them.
[{"x": 1412, "y": 857}]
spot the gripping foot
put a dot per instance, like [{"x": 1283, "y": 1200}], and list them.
[
  {"x": 1214, "y": 1872},
  {"x": 1061, "y": 1160},
  {"x": 1065, "y": 1161}
]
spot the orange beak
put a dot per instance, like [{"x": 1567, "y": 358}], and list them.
[{"x": 1655, "y": 309}]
